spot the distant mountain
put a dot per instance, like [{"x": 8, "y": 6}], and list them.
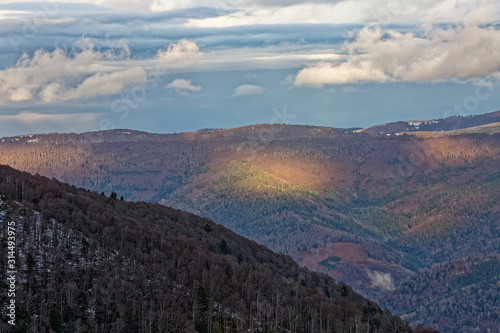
[
  {"x": 367, "y": 209},
  {"x": 85, "y": 262},
  {"x": 436, "y": 125}
]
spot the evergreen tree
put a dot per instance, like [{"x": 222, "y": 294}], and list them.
[
  {"x": 55, "y": 319},
  {"x": 224, "y": 248}
]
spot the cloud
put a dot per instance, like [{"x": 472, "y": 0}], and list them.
[
  {"x": 381, "y": 280},
  {"x": 60, "y": 75},
  {"x": 247, "y": 89},
  {"x": 49, "y": 93},
  {"x": 35, "y": 122},
  {"x": 179, "y": 55},
  {"x": 183, "y": 87},
  {"x": 348, "y": 11},
  {"x": 382, "y": 55},
  {"x": 102, "y": 84},
  {"x": 226, "y": 13},
  {"x": 85, "y": 72}
]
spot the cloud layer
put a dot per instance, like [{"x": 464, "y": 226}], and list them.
[
  {"x": 86, "y": 72},
  {"x": 61, "y": 75},
  {"x": 383, "y": 55},
  {"x": 247, "y": 12},
  {"x": 36, "y": 122}
]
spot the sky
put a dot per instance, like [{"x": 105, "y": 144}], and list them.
[{"x": 169, "y": 66}]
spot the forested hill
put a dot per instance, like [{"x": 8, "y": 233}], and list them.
[
  {"x": 91, "y": 263},
  {"x": 485, "y": 123},
  {"x": 462, "y": 294},
  {"x": 368, "y": 209}
]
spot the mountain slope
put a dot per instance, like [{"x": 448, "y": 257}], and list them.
[
  {"x": 370, "y": 210},
  {"x": 87, "y": 262},
  {"x": 450, "y": 124},
  {"x": 461, "y": 295},
  {"x": 315, "y": 185}
]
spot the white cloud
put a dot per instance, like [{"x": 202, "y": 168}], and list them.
[
  {"x": 379, "y": 55},
  {"x": 49, "y": 93},
  {"x": 248, "y": 89},
  {"x": 349, "y": 11},
  {"x": 248, "y": 12},
  {"x": 85, "y": 72},
  {"x": 183, "y": 87},
  {"x": 10, "y": 14},
  {"x": 62, "y": 75},
  {"x": 319, "y": 75},
  {"x": 103, "y": 84},
  {"x": 179, "y": 55},
  {"x": 381, "y": 280},
  {"x": 20, "y": 94},
  {"x": 266, "y": 57}
]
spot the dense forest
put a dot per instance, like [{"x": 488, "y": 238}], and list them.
[
  {"x": 460, "y": 295},
  {"x": 399, "y": 203},
  {"x": 89, "y": 262}
]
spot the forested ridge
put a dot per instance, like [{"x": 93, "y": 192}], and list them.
[
  {"x": 89, "y": 262},
  {"x": 382, "y": 206},
  {"x": 451, "y": 124}
]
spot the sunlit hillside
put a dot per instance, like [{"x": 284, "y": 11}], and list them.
[{"x": 354, "y": 205}]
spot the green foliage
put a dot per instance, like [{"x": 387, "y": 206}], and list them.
[
  {"x": 129, "y": 324},
  {"x": 56, "y": 323},
  {"x": 344, "y": 292},
  {"x": 328, "y": 262},
  {"x": 20, "y": 327},
  {"x": 69, "y": 318},
  {"x": 486, "y": 272},
  {"x": 369, "y": 310},
  {"x": 449, "y": 296},
  {"x": 201, "y": 323},
  {"x": 202, "y": 298},
  {"x": 224, "y": 248}
]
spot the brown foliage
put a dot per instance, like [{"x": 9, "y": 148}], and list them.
[{"x": 105, "y": 265}]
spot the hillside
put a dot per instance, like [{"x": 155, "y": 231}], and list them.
[
  {"x": 91, "y": 263},
  {"x": 461, "y": 295},
  {"x": 370, "y": 210},
  {"x": 450, "y": 124}
]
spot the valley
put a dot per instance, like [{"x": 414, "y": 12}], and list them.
[
  {"x": 372, "y": 210},
  {"x": 87, "y": 262}
]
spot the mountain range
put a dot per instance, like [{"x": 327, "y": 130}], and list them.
[
  {"x": 85, "y": 262},
  {"x": 486, "y": 123},
  {"x": 380, "y": 208}
]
